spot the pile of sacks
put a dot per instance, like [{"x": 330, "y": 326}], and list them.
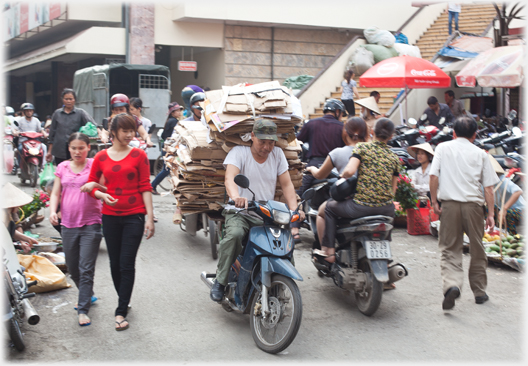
[
  {"x": 195, "y": 153},
  {"x": 381, "y": 45}
]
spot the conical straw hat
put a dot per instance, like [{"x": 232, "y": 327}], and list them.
[
  {"x": 425, "y": 147},
  {"x": 369, "y": 103},
  {"x": 14, "y": 197},
  {"x": 495, "y": 164}
]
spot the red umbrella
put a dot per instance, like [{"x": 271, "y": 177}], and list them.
[{"x": 405, "y": 72}]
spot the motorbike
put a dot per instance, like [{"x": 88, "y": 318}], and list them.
[
  {"x": 31, "y": 160},
  {"x": 212, "y": 224},
  {"x": 363, "y": 260},
  {"x": 9, "y": 152},
  {"x": 261, "y": 281},
  {"x": 17, "y": 305}
]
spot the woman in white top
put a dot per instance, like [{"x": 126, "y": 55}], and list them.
[
  {"x": 354, "y": 131},
  {"x": 349, "y": 92},
  {"x": 136, "y": 106},
  {"x": 420, "y": 177}
]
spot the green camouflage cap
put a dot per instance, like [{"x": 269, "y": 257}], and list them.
[{"x": 265, "y": 129}]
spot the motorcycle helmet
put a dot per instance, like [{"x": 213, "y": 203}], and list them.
[
  {"x": 119, "y": 100},
  {"x": 26, "y": 106},
  {"x": 344, "y": 188},
  {"x": 334, "y": 105},
  {"x": 196, "y": 97},
  {"x": 10, "y": 111}
]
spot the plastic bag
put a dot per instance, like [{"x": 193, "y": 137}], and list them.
[
  {"x": 401, "y": 38},
  {"x": 379, "y": 36},
  {"x": 297, "y": 82},
  {"x": 48, "y": 173},
  {"x": 47, "y": 275},
  {"x": 418, "y": 221},
  {"x": 89, "y": 129},
  {"x": 405, "y": 49},
  {"x": 380, "y": 52},
  {"x": 362, "y": 60}
]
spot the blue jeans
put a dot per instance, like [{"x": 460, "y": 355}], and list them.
[
  {"x": 452, "y": 15},
  {"x": 161, "y": 175},
  {"x": 122, "y": 236}
]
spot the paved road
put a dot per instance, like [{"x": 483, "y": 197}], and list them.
[{"x": 173, "y": 319}]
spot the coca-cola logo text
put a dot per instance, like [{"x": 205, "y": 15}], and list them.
[
  {"x": 423, "y": 73},
  {"x": 387, "y": 69}
]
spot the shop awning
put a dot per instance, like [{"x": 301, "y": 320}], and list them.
[
  {"x": 500, "y": 67},
  {"x": 92, "y": 41}
]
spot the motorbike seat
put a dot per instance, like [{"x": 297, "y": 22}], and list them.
[{"x": 347, "y": 222}]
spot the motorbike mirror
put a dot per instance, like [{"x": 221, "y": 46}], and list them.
[
  {"x": 442, "y": 120},
  {"x": 412, "y": 123},
  {"x": 308, "y": 194},
  {"x": 242, "y": 181},
  {"x": 517, "y": 132},
  {"x": 423, "y": 117},
  {"x": 16, "y": 123}
]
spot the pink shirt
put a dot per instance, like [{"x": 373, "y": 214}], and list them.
[{"x": 77, "y": 208}]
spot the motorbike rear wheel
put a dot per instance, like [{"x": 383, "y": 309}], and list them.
[
  {"x": 33, "y": 175},
  {"x": 369, "y": 301},
  {"x": 159, "y": 165},
  {"x": 214, "y": 237},
  {"x": 13, "y": 329},
  {"x": 275, "y": 333}
]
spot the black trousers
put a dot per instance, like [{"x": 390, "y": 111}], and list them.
[
  {"x": 307, "y": 181},
  {"x": 122, "y": 236},
  {"x": 350, "y": 107}
]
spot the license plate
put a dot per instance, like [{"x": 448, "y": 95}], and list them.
[{"x": 378, "y": 249}]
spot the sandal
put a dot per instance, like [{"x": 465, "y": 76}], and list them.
[
  {"x": 84, "y": 317},
  {"x": 389, "y": 286},
  {"x": 321, "y": 259},
  {"x": 297, "y": 238},
  {"x": 122, "y": 327},
  {"x": 93, "y": 299}
]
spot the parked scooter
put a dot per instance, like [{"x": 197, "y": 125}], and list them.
[
  {"x": 261, "y": 279},
  {"x": 31, "y": 160},
  {"x": 17, "y": 305},
  {"x": 363, "y": 255}
]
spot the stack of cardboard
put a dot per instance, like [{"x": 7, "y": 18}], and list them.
[{"x": 195, "y": 154}]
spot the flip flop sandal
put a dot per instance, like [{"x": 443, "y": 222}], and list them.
[
  {"x": 121, "y": 322},
  {"x": 389, "y": 286},
  {"x": 321, "y": 260},
  {"x": 85, "y": 324},
  {"x": 297, "y": 239},
  {"x": 93, "y": 299}
]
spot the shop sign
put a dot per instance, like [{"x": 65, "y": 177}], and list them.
[{"x": 187, "y": 66}]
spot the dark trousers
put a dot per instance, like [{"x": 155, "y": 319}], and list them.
[
  {"x": 350, "y": 107},
  {"x": 58, "y": 160},
  {"x": 122, "y": 236},
  {"x": 161, "y": 175},
  {"x": 307, "y": 181}
]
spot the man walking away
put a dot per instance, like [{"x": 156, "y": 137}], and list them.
[{"x": 458, "y": 172}]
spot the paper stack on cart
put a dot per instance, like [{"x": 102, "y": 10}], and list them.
[{"x": 196, "y": 152}]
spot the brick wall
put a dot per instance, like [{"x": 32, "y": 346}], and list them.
[
  {"x": 142, "y": 34},
  {"x": 248, "y": 52}
]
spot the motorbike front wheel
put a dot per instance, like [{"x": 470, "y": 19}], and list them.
[
  {"x": 369, "y": 300},
  {"x": 16, "y": 334},
  {"x": 275, "y": 333},
  {"x": 33, "y": 175}
]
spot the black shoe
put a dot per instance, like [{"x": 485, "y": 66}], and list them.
[
  {"x": 481, "y": 299},
  {"x": 449, "y": 298},
  {"x": 155, "y": 193},
  {"x": 217, "y": 292}
]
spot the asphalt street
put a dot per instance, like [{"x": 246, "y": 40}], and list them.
[{"x": 172, "y": 318}]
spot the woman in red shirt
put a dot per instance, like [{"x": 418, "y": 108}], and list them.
[{"x": 126, "y": 174}]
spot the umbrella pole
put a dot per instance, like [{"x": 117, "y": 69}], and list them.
[{"x": 406, "y": 106}]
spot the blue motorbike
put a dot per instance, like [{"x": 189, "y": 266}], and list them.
[{"x": 261, "y": 281}]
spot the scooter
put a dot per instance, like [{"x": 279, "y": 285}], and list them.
[
  {"x": 17, "y": 305},
  {"x": 31, "y": 160},
  {"x": 363, "y": 260},
  {"x": 261, "y": 279}
]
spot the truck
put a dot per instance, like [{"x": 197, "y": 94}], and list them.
[{"x": 95, "y": 85}]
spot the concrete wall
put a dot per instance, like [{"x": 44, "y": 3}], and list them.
[
  {"x": 109, "y": 11},
  {"x": 248, "y": 52},
  {"x": 142, "y": 34},
  {"x": 347, "y": 14},
  {"x": 423, "y": 20}
]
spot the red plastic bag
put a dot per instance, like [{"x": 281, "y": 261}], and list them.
[{"x": 418, "y": 221}]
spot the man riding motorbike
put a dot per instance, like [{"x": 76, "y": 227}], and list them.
[
  {"x": 195, "y": 107},
  {"x": 263, "y": 163},
  {"x": 323, "y": 135},
  {"x": 28, "y": 123}
]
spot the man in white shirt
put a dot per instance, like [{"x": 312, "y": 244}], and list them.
[
  {"x": 263, "y": 164},
  {"x": 458, "y": 172},
  {"x": 454, "y": 10},
  {"x": 28, "y": 123}
]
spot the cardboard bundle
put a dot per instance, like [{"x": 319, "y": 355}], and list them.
[{"x": 195, "y": 153}]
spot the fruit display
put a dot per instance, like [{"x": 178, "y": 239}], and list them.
[{"x": 508, "y": 249}]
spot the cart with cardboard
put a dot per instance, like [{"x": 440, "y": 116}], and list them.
[{"x": 196, "y": 151}]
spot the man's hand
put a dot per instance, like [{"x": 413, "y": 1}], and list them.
[
  {"x": 490, "y": 222},
  {"x": 437, "y": 208},
  {"x": 49, "y": 157},
  {"x": 301, "y": 215},
  {"x": 241, "y": 202}
]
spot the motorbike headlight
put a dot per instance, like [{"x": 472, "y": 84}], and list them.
[{"x": 281, "y": 217}]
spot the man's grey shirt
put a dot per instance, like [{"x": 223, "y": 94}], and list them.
[
  {"x": 63, "y": 125},
  {"x": 433, "y": 119}
]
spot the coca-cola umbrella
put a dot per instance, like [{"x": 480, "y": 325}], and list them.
[
  {"x": 405, "y": 72},
  {"x": 500, "y": 67}
]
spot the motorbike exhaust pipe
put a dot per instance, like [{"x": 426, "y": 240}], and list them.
[
  {"x": 207, "y": 279},
  {"x": 31, "y": 314},
  {"x": 397, "y": 272}
]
